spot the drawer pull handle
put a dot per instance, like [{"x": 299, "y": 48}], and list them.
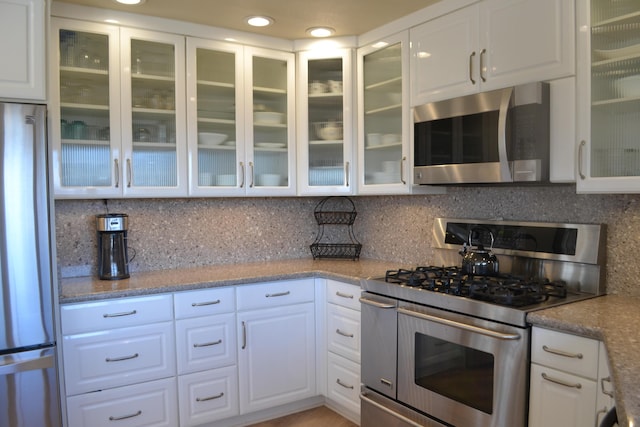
[
  {"x": 557, "y": 381},
  {"x": 562, "y": 353},
  {"x": 244, "y": 335},
  {"x": 124, "y": 417},
  {"x": 340, "y": 294},
  {"x": 386, "y": 382},
  {"x": 120, "y": 359},
  {"x": 124, "y": 313},
  {"x": 200, "y": 304},
  {"x": 204, "y": 399},
  {"x": 607, "y": 392},
  {"x": 207, "y": 344},
  {"x": 350, "y": 387},
  {"x": 278, "y": 294},
  {"x": 344, "y": 334}
]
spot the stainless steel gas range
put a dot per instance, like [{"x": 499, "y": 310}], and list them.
[{"x": 442, "y": 346}]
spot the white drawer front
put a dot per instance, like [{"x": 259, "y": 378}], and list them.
[
  {"x": 343, "y": 331},
  {"x": 344, "y": 382},
  {"x": 151, "y": 404},
  {"x": 566, "y": 352},
  {"x": 274, "y": 294},
  {"x": 343, "y": 294},
  {"x": 115, "y": 313},
  {"x": 106, "y": 359},
  {"x": 208, "y": 396},
  {"x": 205, "y": 342},
  {"x": 204, "y": 302}
]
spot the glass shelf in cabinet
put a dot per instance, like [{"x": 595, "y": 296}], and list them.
[{"x": 384, "y": 109}]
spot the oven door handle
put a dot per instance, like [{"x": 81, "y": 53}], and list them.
[
  {"x": 376, "y": 303},
  {"x": 389, "y": 411},
  {"x": 460, "y": 325}
]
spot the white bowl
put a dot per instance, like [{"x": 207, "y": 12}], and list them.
[
  {"x": 211, "y": 138},
  {"x": 269, "y": 179},
  {"x": 374, "y": 139},
  {"x": 390, "y": 138},
  {"x": 628, "y": 87},
  {"x": 329, "y": 132},
  {"x": 267, "y": 117}
]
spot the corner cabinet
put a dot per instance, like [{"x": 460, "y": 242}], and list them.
[
  {"x": 22, "y": 47},
  {"x": 608, "y": 96},
  {"x": 489, "y": 45},
  {"x": 325, "y": 122}
]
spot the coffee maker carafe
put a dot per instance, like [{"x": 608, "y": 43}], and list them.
[{"x": 113, "y": 257}]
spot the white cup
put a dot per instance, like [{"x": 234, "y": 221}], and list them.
[{"x": 335, "y": 86}]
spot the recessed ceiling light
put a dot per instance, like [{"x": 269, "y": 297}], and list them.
[
  {"x": 259, "y": 21},
  {"x": 320, "y": 31},
  {"x": 130, "y": 2}
]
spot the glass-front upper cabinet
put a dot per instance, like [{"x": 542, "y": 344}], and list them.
[
  {"x": 325, "y": 130},
  {"x": 383, "y": 118},
  {"x": 153, "y": 113},
  {"x": 85, "y": 113},
  {"x": 608, "y": 96}
]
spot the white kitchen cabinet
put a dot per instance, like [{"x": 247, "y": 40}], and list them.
[
  {"x": 22, "y": 47},
  {"x": 325, "y": 122},
  {"x": 276, "y": 343},
  {"x": 489, "y": 45},
  {"x": 208, "y": 396},
  {"x": 565, "y": 370},
  {"x": 608, "y": 97},
  {"x": 243, "y": 96}
]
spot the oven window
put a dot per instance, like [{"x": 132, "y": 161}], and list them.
[{"x": 455, "y": 371}]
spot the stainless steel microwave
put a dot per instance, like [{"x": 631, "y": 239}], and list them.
[{"x": 500, "y": 136}]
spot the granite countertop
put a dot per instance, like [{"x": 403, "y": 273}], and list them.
[{"x": 614, "y": 320}]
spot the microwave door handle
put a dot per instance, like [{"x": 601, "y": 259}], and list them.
[{"x": 505, "y": 170}]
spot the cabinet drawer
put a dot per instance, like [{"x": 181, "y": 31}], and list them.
[
  {"x": 343, "y": 294},
  {"x": 343, "y": 331},
  {"x": 106, "y": 359},
  {"x": 205, "y": 342},
  {"x": 118, "y": 313},
  {"x": 208, "y": 396},
  {"x": 566, "y": 352},
  {"x": 204, "y": 303},
  {"x": 274, "y": 294},
  {"x": 344, "y": 382},
  {"x": 151, "y": 404}
]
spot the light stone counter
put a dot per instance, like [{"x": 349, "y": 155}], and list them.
[
  {"x": 81, "y": 289},
  {"x": 615, "y": 320}
]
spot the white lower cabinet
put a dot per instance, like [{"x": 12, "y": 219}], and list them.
[{"x": 565, "y": 369}]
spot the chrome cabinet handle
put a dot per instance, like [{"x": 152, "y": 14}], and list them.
[
  {"x": 376, "y": 303},
  {"x": 386, "y": 382},
  {"x": 404, "y": 159},
  {"x": 251, "y": 174},
  {"x": 350, "y": 387},
  {"x": 124, "y": 417},
  {"x": 278, "y": 294},
  {"x": 116, "y": 168},
  {"x": 562, "y": 353},
  {"x": 473, "y": 54},
  {"x": 482, "y": 52},
  {"x": 460, "y": 325},
  {"x": 343, "y": 295},
  {"x": 207, "y": 344},
  {"x": 129, "y": 173},
  {"x": 503, "y": 152},
  {"x": 244, "y": 335},
  {"x": 201, "y": 304},
  {"x": 607, "y": 392},
  {"x": 204, "y": 399},
  {"x": 344, "y": 334},
  {"x": 120, "y": 359},
  {"x": 560, "y": 382},
  {"x": 346, "y": 173},
  {"x": 580, "y": 150},
  {"x": 242, "y": 171},
  {"x": 124, "y": 313}
]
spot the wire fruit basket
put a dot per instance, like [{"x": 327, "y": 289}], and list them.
[{"x": 335, "y": 211}]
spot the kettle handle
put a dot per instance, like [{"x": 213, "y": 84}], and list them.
[{"x": 477, "y": 228}]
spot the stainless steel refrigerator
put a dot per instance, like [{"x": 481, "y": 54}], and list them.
[{"x": 28, "y": 381}]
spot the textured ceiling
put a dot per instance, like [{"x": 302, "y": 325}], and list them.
[{"x": 292, "y": 17}]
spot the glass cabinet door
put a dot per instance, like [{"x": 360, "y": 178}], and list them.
[
  {"x": 382, "y": 154},
  {"x": 271, "y": 152},
  {"x": 85, "y": 125},
  {"x": 154, "y": 130},
  {"x": 325, "y": 89},
  {"x": 609, "y": 93}
]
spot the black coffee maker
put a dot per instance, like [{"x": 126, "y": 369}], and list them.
[{"x": 113, "y": 257}]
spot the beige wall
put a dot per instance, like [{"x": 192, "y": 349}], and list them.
[{"x": 178, "y": 233}]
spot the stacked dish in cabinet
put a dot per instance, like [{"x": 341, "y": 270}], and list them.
[{"x": 615, "y": 88}]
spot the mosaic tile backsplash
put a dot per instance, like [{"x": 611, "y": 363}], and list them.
[{"x": 182, "y": 233}]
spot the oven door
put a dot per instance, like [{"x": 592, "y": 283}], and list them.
[{"x": 462, "y": 370}]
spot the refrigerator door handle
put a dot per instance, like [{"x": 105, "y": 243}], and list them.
[{"x": 44, "y": 362}]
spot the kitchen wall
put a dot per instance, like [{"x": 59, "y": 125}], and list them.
[{"x": 182, "y": 233}]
